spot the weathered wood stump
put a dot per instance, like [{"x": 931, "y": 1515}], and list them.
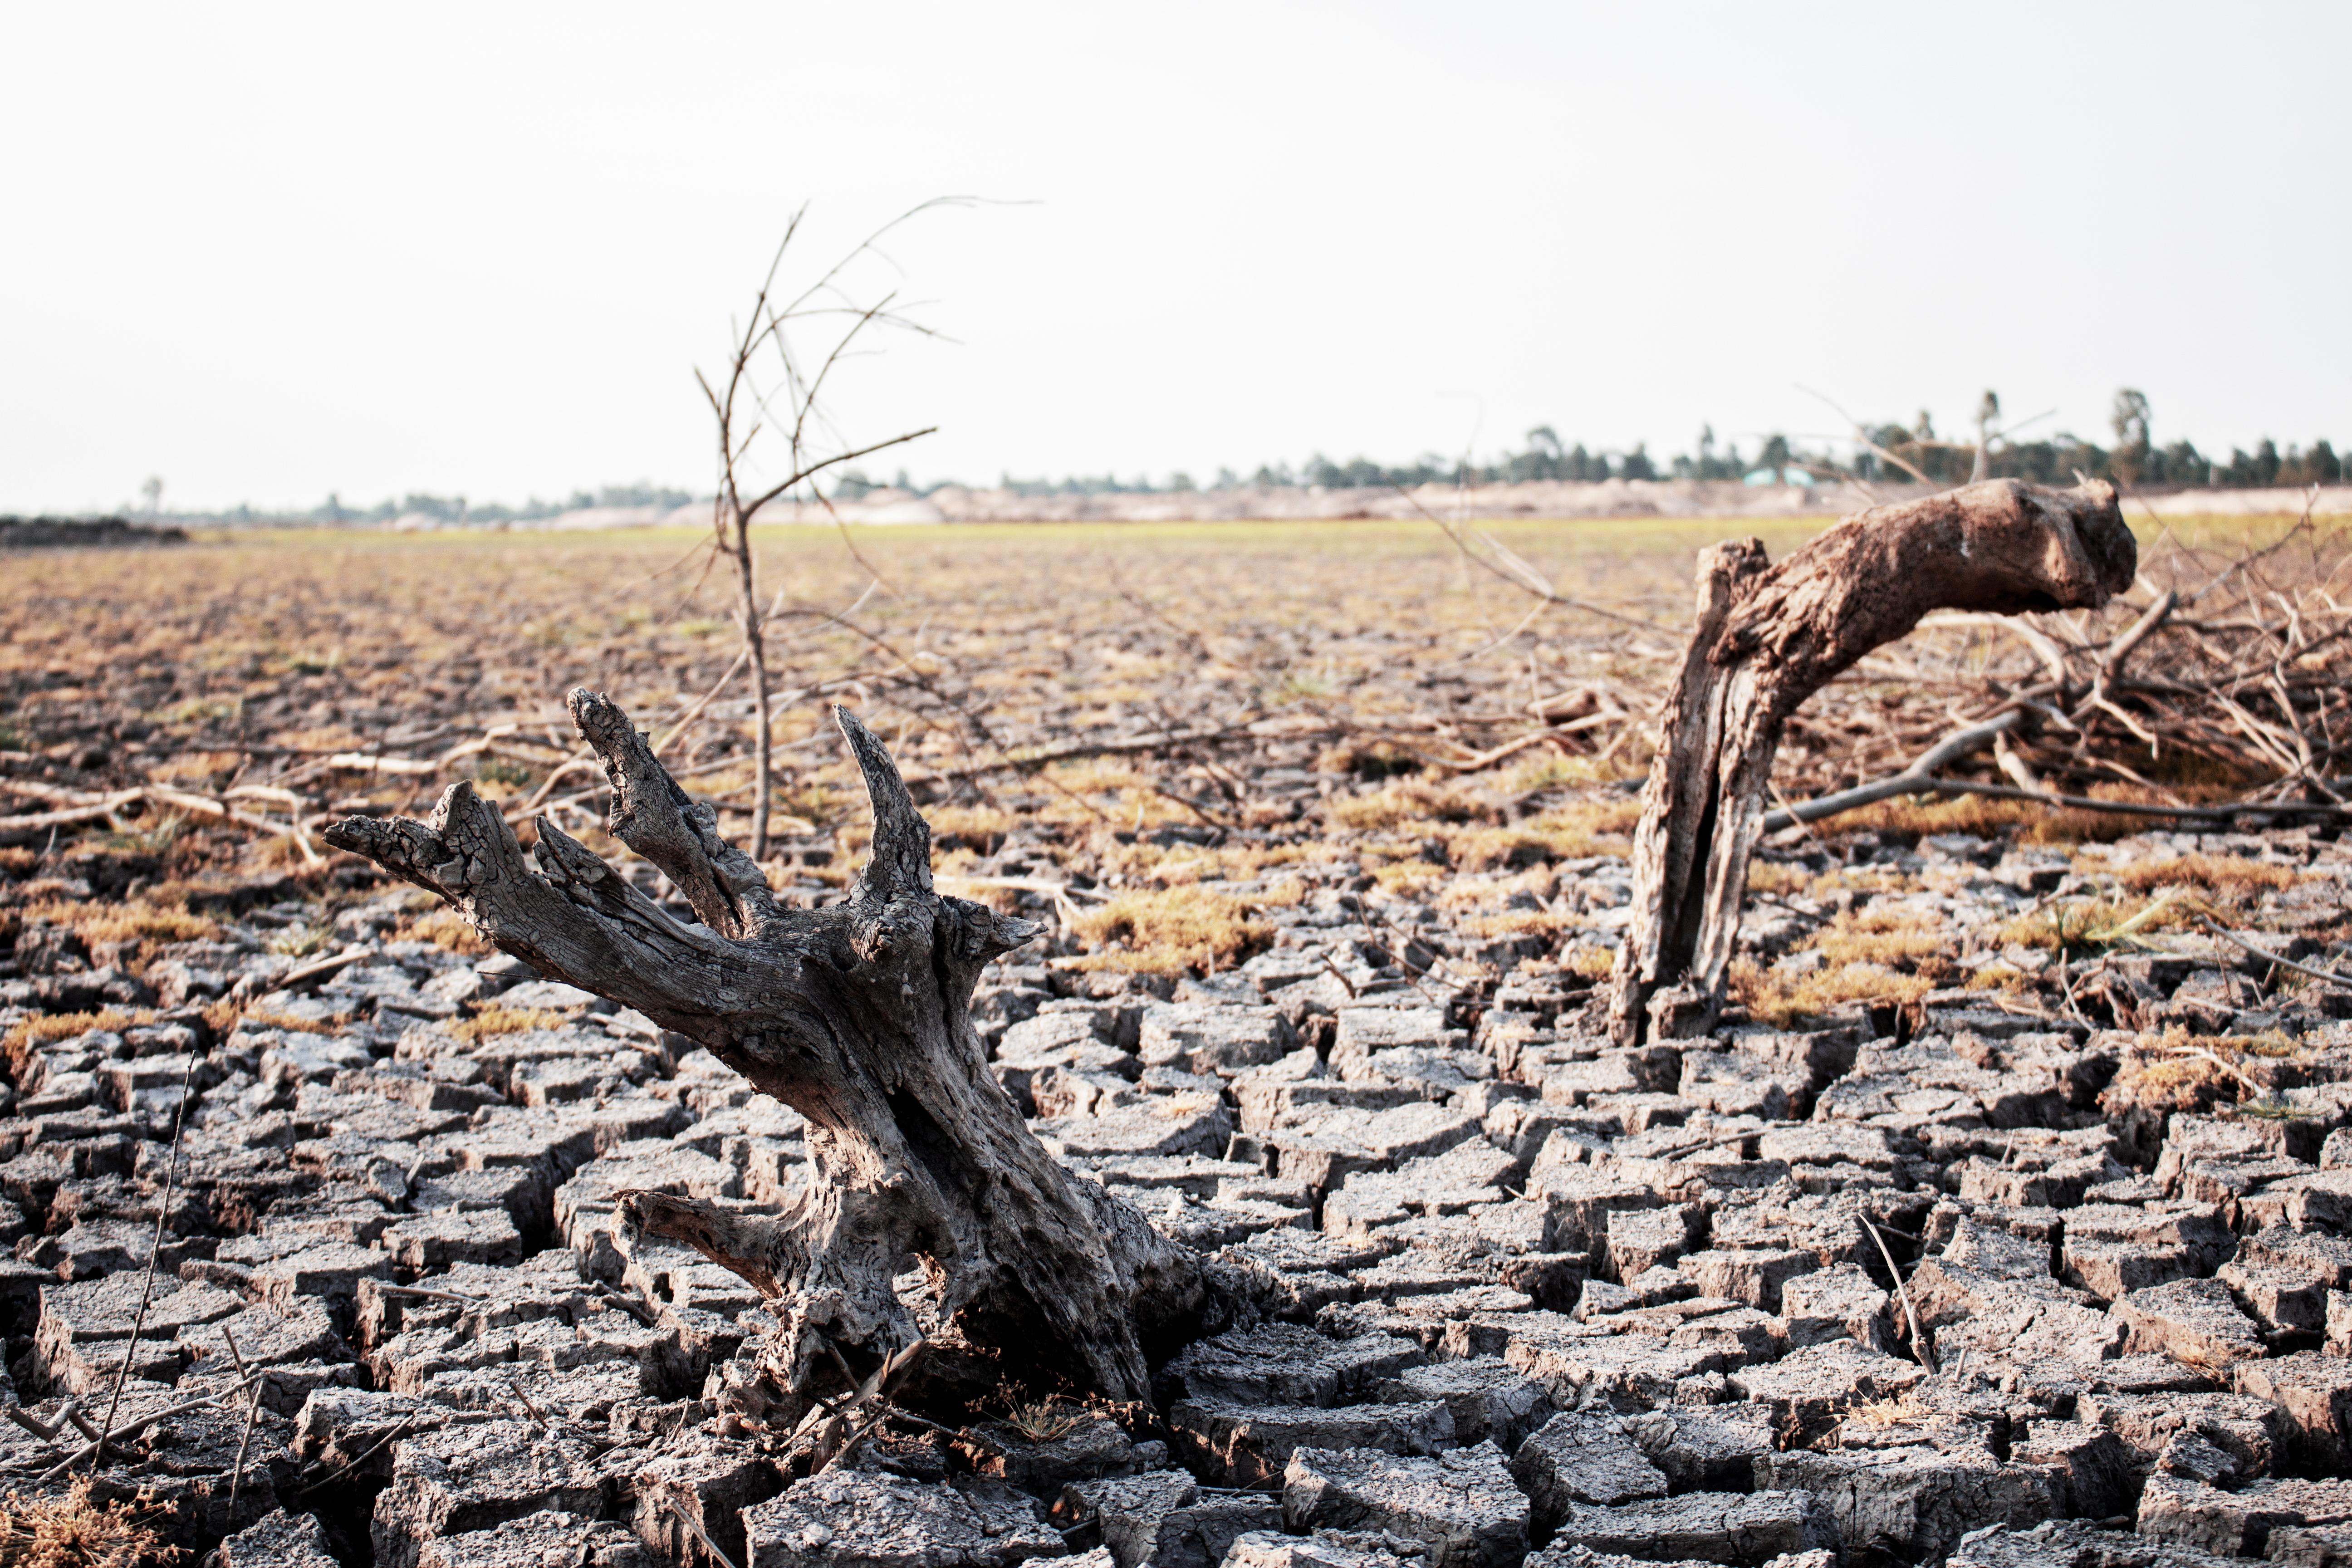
[
  {"x": 1770, "y": 636},
  {"x": 857, "y": 1017}
]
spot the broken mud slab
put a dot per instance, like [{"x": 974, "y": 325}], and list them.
[{"x": 2046, "y": 1259}]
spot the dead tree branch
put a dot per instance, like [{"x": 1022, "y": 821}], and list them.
[{"x": 1768, "y": 638}]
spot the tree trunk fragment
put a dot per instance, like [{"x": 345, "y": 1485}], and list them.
[
  {"x": 1766, "y": 638},
  {"x": 858, "y": 1017}
]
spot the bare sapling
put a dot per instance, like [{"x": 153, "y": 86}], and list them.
[{"x": 774, "y": 386}]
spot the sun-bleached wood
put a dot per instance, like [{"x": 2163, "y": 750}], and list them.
[
  {"x": 1769, "y": 636},
  {"x": 858, "y": 1017}
]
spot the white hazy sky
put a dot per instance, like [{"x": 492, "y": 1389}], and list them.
[{"x": 268, "y": 252}]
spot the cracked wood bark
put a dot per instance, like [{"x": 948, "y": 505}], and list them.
[
  {"x": 857, "y": 1017},
  {"x": 1769, "y": 636}
]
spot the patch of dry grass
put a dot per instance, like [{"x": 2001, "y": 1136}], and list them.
[
  {"x": 495, "y": 1020},
  {"x": 1171, "y": 930},
  {"x": 1896, "y": 938},
  {"x": 270, "y": 1018},
  {"x": 2085, "y": 927},
  {"x": 1920, "y": 816},
  {"x": 446, "y": 928},
  {"x": 1775, "y": 998},
  {"x": 27, "y": 1036},
  {"x": 1169, "y": 865},
  {"x": 1471, "y": 895},
  {"x": 1576, "y": 831},
  {"x": 1593, "y": 964},
  {"x": 1043, "y": 1420},
  {"x": 2229, "y": 876},
  {"x": 1404, "y": 801},
  {"x": 1549, "y": 770},
  {"x": 2180, "y": 1071},
  {"x": 1411, "y": 878},
  {"x": 1778, "y": 877},
  {"x": 146, "y": 922},
  {"x": 74, "y": 1532},
  {"x": 1519, "y": 922},
  {"x": 980, "y": 829}
]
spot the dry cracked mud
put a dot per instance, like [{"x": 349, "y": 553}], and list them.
[
  {"x": 2048, "y": 1264},
  {"x": 2003, "y": 1223}
]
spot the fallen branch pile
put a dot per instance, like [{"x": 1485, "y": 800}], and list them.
[{"x": 2219, "y": 686}]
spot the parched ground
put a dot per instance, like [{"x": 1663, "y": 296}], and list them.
[{"x": 2012, "y": 1196}]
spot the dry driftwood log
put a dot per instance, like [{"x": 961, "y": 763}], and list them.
[
  {"x": 857, "y": 1017},
  {"x": 1769, "y": 636}
]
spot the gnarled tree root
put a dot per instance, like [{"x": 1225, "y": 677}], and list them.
[
  {"x": 1770, "y": 636},
  {"x": 857, "y": 1017}
]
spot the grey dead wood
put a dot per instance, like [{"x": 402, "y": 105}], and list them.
[
  {"x": 1769, "y": 636},
  {"x": 858, "y": 1017}
]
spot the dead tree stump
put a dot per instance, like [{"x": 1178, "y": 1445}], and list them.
[
  {"x": 1768, "y": 638},
  {"x": 858, "y": 1017}
]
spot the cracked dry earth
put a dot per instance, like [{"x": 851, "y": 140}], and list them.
[{"x": 2049, "y": 1266}]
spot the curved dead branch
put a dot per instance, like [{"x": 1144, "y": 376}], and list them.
[{"x": 1770, "y": 636}]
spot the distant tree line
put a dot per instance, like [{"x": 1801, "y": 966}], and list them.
[
  {"x": 1886, "y": 450},
  {"x": 455, "y": 508},
  {"x": 2135, "y": 458}
]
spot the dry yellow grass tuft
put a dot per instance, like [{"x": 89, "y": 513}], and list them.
[
  {"x": 74, "y": 1532},
  {"x": 266, "y": 1018},
  {"x": 2088, "y": 926},
  {"x": 1169, "y": 865},
  {"x": 1043, "y": 1420},
  {"x": 1774, "y": 998},
  {"x": 2178, "y": 1072},
  {"x": 1914, "y": 816},
  {"x": 1401, "y": 802},
  {"x": 1900, "y": 1410},
  {"x": 2182, "y": 1083},
  {"x": 144, "y": 923},
  {"x": 1778, "y": 877},
  {"x": 1412, "y": 878},
  {"x": 1592, "y": 962},
  {"x": 29, "y": 1034},
  {"x": 495, "y": 1020},
  {"x": 1171, "y": 930},
  {"x": 1573, "y": 832},
  {"x": 446, "y": 928},
  {"x": 1518, "y": 922},
  {"x": 1466, "y": 896},
  {"x": 2228, "y": 874},
  {"x": 1896, "y": 938},
  {"x": 977, "y": 827}
]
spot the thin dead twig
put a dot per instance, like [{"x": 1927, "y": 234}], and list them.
[
  {"x": 155, "y": 1251},
  {"x": 1911, "y": 1323}
]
